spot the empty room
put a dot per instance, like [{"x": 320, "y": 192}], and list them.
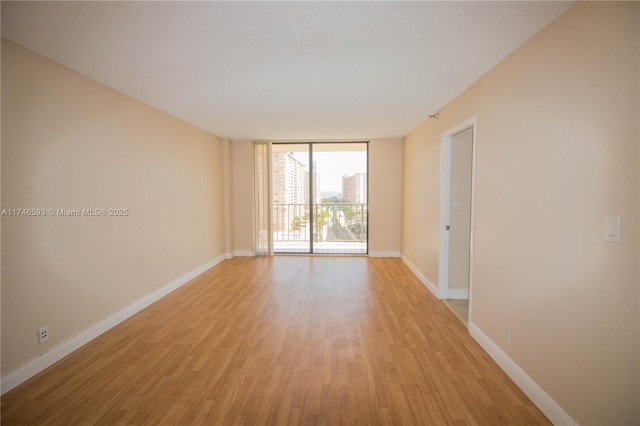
[{"x": 320, "y": 213}]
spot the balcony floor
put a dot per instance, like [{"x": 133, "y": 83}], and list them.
[{"x": 324, "y": 247}]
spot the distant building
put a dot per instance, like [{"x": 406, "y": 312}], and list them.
[
  {"x": 354, "y": 188},
  {"x": 316, "y": 184},
  {"x": 290, "y": 190},
  {"x": 290, "y": 181}
]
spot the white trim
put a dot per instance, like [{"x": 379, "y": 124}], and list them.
[
  {"x": 431, "y": 286},
  {"x": 384, "y": 254},
  {"x": 244, "y": 253},
  {"x": 56, "y": 354},
  {"x": 457, "y": 293},
  {"x": 228, "y": 255},
  {"x": 472, "y": 229},
  {"x": 538, "y": 396}
]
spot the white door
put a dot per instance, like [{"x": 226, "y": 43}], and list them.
[
  {"x": 455, "y": 276},
  {"x": 460, "y": 214}
]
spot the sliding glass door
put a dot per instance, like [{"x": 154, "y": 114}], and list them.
[
  {"x": 291, "y": 217},
  {"x": 340, "y": 198},
  {"x": 319, "y": 197}
]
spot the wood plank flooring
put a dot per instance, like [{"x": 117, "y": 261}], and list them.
[{"x": 281, "y": 341}]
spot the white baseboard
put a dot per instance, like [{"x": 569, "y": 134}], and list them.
[
  {"x": 384, "y": 254},
  {"x": 65, "y": 348},
  {"x": 228, "y": 255},
  {"x": 245, "y": 253},
  {"x": 538, "y": 396},
  {"x": 458, "y": 293},
  {"x": 431, "y": 286}
]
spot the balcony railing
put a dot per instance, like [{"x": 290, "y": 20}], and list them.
[{"x": 338, "y": 227}]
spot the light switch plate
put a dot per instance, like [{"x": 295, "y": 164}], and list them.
[{"x": 612, "y": 229}]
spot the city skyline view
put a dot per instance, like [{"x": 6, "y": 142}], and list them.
[{"x": 332, "y": 168}]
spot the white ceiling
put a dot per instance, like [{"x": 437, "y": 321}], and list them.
[{"x": 283, "y": 70}]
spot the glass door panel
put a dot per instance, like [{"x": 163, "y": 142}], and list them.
[
  {"x": 340, "y": 197},
  {"x": 291, "y": 218}
]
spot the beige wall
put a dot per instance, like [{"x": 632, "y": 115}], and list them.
[
  {"x": 69, "y": 142},
  {"x": 558, "y": 138},
  {"x": 421, "y": 198},
  {"x": 231, "y": 230},
  {"x": 385, "y": 196},
  {"x": 227, "y": 171},
  {"x": 243, "y": 195},
  {"x": 385, "y": 160}
]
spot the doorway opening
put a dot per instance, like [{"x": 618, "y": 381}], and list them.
[
  {"x": 457, "y": 218},
  {"x": 319, "y": 196}
]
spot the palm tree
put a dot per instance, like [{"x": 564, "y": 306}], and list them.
[{"x": 321, "y": 218}]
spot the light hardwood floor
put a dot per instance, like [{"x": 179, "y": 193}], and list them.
[
  {"x": 284, "y": 340},
  {"x": 460, "y": 308}
]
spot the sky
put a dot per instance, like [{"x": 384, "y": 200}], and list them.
[{"x": 331, "y": 166}]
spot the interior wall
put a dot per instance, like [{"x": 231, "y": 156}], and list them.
[
  {"x": 231, "y": 230},
  {"x": 385, "y": 176},
  {"x": 243, "y": 196},
  {"x": 385, "y": 196},
  {"x": 557, "y": 151},
  {"x": 227, "y": 182},
  {"x": 421, "y": 199},
  {"x": 69, "y": 142}
]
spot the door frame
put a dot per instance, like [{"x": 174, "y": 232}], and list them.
[
  {"x": 311, "y": 143},
  {"x": 445, "y": 200}
]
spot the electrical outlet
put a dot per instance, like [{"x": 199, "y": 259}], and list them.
[
  {"x": 43, "y": 334},
  {"x": 507, "y": 334}
]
